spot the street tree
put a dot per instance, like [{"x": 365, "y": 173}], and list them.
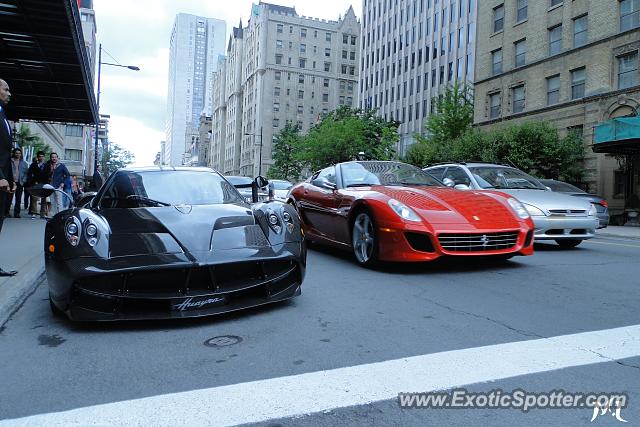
[
  {"x": 286, "y": 164},
  {"x": 344, "y": 133},
  {"x": 26, "y": 139},
  {"x": 115, "y": 157}
]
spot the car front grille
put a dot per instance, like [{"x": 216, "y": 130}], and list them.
[
  {"x": 568, "y": 212},
  {"x": 463, "y": 242},
  {"x": 177, "y": 282}
]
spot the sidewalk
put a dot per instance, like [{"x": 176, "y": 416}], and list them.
[
  {"x": 616, "y": 231},
  {"x": 21, "y": 241}
]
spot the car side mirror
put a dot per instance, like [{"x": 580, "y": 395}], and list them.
[
  {"x": 324, "y": 183},
  {"x": 41, "y": 190},
  {"x": 548, "y": 188},
  {"x": 261, "y": 181},
  {"x": 462, "y": 187},
  {"x": 449, "y": 182}
]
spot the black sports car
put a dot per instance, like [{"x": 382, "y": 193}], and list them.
[{"x": 171, "y": 243}]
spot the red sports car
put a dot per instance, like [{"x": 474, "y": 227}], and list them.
[{"x": 392, "y": 211}]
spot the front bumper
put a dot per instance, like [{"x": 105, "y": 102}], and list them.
[
  {"x": 565, "y": 227},
  {"x": 150, "y": 287},
  {"x": 400, "y": 242}
]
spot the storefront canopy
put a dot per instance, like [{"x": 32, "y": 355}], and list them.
[
  {"x": 44, "y": 61},
  {"x": 618, "y": 136}
]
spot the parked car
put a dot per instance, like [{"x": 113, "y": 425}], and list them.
[
  {"x": 600, "y": 203},
  {"x": 567, "y": 220},
  {"x": 280, "y": 189},
  {"x": 170, "y": 243},
  {"x": 244, "y": 185},
  {"x": 393, "y": 211}
]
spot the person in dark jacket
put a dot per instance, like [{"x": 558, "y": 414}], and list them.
[
  {"x": 58, "y": 174},
  {"x": 6, "y": 179},
  {"x": 36, "y": 175},
  {"x": 19, "y": 170}
]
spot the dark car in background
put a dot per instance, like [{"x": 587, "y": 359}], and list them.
[
  {"x": 171, "y": 243},
  {"x": 600, "y": 203}
]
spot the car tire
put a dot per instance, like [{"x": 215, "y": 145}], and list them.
[
  {"x": 364, "y": 240},
  {"x": 54, "y": 308},
  {"x": 569, "y": 243}
]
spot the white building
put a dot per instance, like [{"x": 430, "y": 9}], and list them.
[
  {"x": 195, "y": 45},
  {"x": 411, "y": 50}
]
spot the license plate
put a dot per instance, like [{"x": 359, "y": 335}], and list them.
[{"x": 196, "y": 303}]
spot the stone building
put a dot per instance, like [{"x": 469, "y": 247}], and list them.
[
  {"x": 574, "y": 63},
  {"x": 281, "y": 67}
]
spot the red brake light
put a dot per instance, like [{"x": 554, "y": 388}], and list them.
[{"x": 604, "y": 203}]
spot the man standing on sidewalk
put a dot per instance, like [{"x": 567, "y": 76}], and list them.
[
  {"x": 35, "y": 175},
  {"x": 6, "y": 182},
  {"x": 19, "y": 172}
]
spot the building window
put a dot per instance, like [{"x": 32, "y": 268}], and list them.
[
  {"x": 496, "y": 62},
  {"x": 73, "y": 155},
  {"x": 279, "y": 44},
  {"x": 498, "y": 18},
  {"x": 325, "y": 83},
  {"x": 303, "y": 48},
  {"x": 495, "y": 104},
  {"x": 353, "y": 40},
  {"x": 628, "y": 70},
  {"x": 279, "y": 28},
  {"x": 325, "y": 97},
  {"x": 521, "y": 51},
  {"x": 328, "y": 37},
  {"x": 278, "y": 75},
  {"x": 345, "y": 39},
  {"x": 580, "y": 31},
  {"x": 303, "y": 32},
  {"x": 518, "y": 99},
  {"x": 276, "y": 122},
  {"x": 522, "y": 10},
  {"x": 352, "y": 56},
  {"x": 302, "y": 62},
  {"x": 301, "y": 78},
  {"x": 629, "y": 14},
  {"x": 555, "y": 40},
  {"x": 300, "y": 109},
  {"x": 327, "y": 66},
  {"x": 578, "y": 78},
  {"x": 276, "y": 91},
  {"x": 300, "y": 94},
  {"x": 327, "y": 52},
  {"x": 73, "y": 130},
  {"x": 555, "y": 3},
  {"x": 278, "y": 59},
  {"x": 553, "y": 90},
  {"x": 276, "y": 107}
]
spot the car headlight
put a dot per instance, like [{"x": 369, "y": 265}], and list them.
[
  {"x": 593, "y": 211},
  {"x": 91, "y": 233},
  {"x": 403, "y": 211},
  {"x": 519, "y": 208},
  {"x": 72, "y": 231},
  {"x": 533, "y": 211},
  {"x": 274, "y": 221}
]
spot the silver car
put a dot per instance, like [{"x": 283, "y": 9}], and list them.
[
  {"x": 280, "y": 189},
  {"x": 567, "y": 220}
]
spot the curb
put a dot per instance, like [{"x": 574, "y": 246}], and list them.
[
  {"x": 17, "y": 289},
  {"x": 618, "y": 236}
]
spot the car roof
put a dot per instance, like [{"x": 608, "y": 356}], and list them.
[
  {"x": 470, "y": 164},
  {"x": 166, "y": 168}
]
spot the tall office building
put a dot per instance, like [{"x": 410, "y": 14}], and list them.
[
  {"x": 573, "y": 63},
  {"x": 280, "y": 68},
  {"x": 195, "y": 45},
  {"x": 411, "y": 50}
]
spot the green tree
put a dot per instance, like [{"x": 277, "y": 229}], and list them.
[
  {"x": 114, "y": 158},
  {"x": 344, "y": 133},
  {"x": 451, "y": 120},
  {"x": 25, "y": 138},
  {"x": 285, "y": 146}
]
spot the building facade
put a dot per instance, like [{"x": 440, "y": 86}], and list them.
[
  {"x": 282, "y": 68},
  {"x": 195, "y": 45},
  {"x": 573, "y": 63},
  {"x": 218, "y": 119},
  {"x": 411, "y": 50}
]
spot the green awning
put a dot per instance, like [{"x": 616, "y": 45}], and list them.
[{"x": 618, "y": 136}]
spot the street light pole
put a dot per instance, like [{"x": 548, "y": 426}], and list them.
[{"x": 95, "y": 142}]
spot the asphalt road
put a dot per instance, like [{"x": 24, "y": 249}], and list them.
[{"x": 347, "y": 316}]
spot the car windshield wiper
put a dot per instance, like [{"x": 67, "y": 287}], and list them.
[
  {"x": 415, "y": 183},
  {"x": 524, "y": 188},
  {"x": 361, "y": 185},
  {"x": 147, "y": 200}
]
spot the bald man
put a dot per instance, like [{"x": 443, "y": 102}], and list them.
[{"x": 6, "y": 175}]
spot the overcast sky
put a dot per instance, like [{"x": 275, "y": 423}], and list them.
[{"x": 137, "y": 33}]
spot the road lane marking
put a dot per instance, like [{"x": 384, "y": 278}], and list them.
[{"x": 352, "y": 386}]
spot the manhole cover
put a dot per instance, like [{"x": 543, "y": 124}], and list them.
[{"x": 223, "y": 341}]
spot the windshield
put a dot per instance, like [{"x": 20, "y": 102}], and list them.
[
  {"x": 356, "y": 174},
  {"x": 561, "y": 187},
  {"x": 165, "y": 188},
  {"x": 281, "y": 185},
  {"x": 504, "y": 177}
]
